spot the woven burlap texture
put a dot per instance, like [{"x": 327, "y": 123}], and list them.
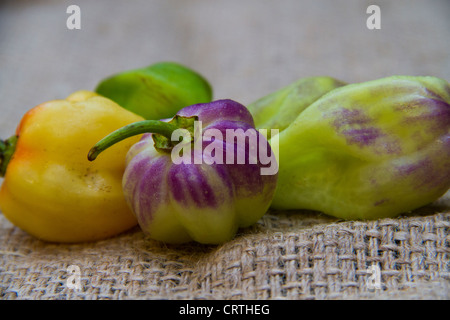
[
  {"x": 286, "y": 255},
  {"x": 246, "y": 49}
]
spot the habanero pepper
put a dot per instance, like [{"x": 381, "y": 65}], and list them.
[
  {"x": 208, "y": 195},
  {"x": 50, "y": 189}
]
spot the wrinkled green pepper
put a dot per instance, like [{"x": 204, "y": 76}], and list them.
[
  {"x": 158, "y": 91},
  {"x": 367, "y": 150},
  {"x": 279, "y": 109}
]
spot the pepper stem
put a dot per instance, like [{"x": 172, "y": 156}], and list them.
[
  {"x": 7, "y": 148},
  {"x": 147, "y": 126}
]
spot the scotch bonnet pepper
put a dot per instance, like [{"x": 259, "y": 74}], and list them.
[
  {"x": 199, "y": 199},
  {"x": 50, "y": 189},
  {"x": 368, "y": 150}
]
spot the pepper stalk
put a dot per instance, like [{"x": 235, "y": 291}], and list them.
[
  {"x": 7, "y": 148},
  {"x": 162, "y": 134}
]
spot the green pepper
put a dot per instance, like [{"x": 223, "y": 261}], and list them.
[
  {"x": 158, "y": 91},
  {"x": 367, "y": 150},
  {"x": 278, "y": 109}
]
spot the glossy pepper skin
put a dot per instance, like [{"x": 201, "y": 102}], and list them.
[
  {"x": 50, "y": 189},
  {"x": 368, "y": 150},
  {"x": 206, "y": 202},
  {"x": 279, "y": 109},
  {"x": 158, "y": 91}
]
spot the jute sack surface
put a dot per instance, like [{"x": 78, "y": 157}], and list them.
[
  {"x": 286, "y": 255},
  {"x": 246, "y": 49}
]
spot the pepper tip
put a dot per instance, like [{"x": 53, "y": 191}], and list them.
[{"x": 92, "y": 155}]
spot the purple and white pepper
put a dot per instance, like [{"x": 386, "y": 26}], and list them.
[{"x": 199, "y": 198}]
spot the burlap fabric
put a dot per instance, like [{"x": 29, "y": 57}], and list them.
[
  {"x": 246, "y": 49},
  {"x": 301, "y": 255}
]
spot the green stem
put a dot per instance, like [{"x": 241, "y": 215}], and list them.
[
  {"x": 146, "y": 126},
  {"x": 7, "y": 148}
]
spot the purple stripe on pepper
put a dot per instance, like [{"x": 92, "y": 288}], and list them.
[{"x": 206, "y": 202}]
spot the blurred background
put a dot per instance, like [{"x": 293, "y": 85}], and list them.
[{"x": 245, "y": 48}]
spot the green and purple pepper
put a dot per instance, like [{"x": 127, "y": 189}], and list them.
[
  {"x": 367, "y": 150},
  {"x": 201, "y": 199}
]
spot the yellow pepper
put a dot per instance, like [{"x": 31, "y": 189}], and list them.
[{"x": 50, "y": 189}]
